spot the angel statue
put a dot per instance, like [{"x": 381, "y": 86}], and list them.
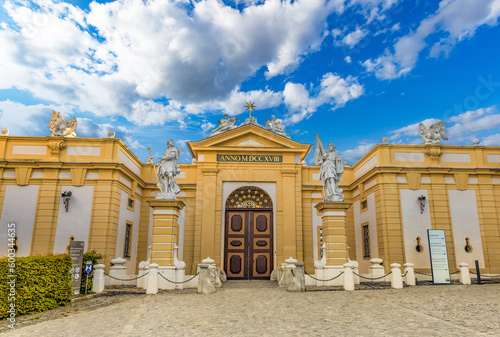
[
  {"x": 60, "y": 126},
  {"x": 275, "y": 126},
  {"x": 225, "y": 124},
  {"x": 431, "y": 134},
  {"x": 331, "y": 170},
  {"x": 167, "y": 170}
]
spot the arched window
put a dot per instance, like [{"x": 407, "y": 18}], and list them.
[{"x": 249, "y": 197}]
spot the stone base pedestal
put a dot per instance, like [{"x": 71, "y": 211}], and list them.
[
  {"x": 165, "y": 231},
  {"x": 333, "y": 217}
]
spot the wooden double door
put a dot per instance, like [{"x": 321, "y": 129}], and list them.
[{"x": 248, "y": 244}]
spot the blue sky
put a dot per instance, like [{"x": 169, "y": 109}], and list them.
[{"x": 353, "y": 70}]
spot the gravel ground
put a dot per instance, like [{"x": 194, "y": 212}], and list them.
[{"x": 260, "y": 308}]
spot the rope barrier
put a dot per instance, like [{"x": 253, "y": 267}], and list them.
[
  {"x": 483, "y": 275},
  {"x": 404, "y": 274},
  {"x": 132, "y": 279},
  {"x": 455, "y": 272},
  {"x": 416, "y": 272},
  {"x": 166, "y": 279},
  {"x": 314, "y": 278},
  {"x": 373, "y": 279}
]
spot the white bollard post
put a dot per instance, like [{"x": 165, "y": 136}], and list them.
[
  {"x": 298, "y": 283},
  {"x": 396, "y": 279},
  {"x": 144, "y": 280},
  {"x": 464, "y": 273},
  {"x": 212, "y": 268},
  {"x": 98, "y": 282},
  {"x": 205, "y": 280},
  {"x": 287, "y": 277},
  {"x": 348, "y": 277},
  {"x": 118, "y": 271},
  {"x": 153, "y": 279},
  {"x": 377, "y": 269},
  {"x": 410, "y": 274},
  {"x": 355, "y": 268}
]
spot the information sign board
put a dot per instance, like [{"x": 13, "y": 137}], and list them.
[
  {"x": 76, "y": 253},
  {"x": 439, "y": 256}
]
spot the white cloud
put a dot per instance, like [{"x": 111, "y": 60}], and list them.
[
  {"x": 355, "y": 154},
  {"x": 27, "y": 120},
  {"x": 147, "y": 112},
  {"x": 207, "y": 126},
  {"x": 373, "y": 9},
  {"x": 460, "y": 129},
  {"x": 234, "y": 104},
  {"x": 30, "y": 120},
  {"x": 185, "y": 52},
  {"x": 88, "y": 128},
  {"x": 396, "y": 27},
  {"x": 354, "y": 37},
  {"x": 492, "y": 140},
  {"x": 457, "y": 19},
  {"x": 182, "y": 142},
  {"x": 333, "y": 90},
  {"x": 410, "y": 130},
  {"x": 348, "y": 59},
  {"x": 471, "y": 122}
]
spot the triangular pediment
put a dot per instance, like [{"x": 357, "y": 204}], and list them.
[
  {"x": 245, "y": 138},
  {"x": 250, "y": 142}
]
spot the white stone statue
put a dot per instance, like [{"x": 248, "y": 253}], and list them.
[
  {"x": 60, "y": 126},
  {"x": 225, "y": 124},
  {"x": 275, "y": 126},
  {"x": 167, "y": 170},
  {"x": 431, "y": 134},
  {"x": 331, "y": 170}
]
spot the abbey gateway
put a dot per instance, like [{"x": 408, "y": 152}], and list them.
[{"x": 249, "y": 201}]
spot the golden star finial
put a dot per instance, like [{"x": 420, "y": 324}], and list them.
[{"x": 250, "y": 107}]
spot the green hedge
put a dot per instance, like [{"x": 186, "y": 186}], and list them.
[{"x": 42, "y": 283}]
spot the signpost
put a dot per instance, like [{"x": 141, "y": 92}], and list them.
[
  {"x": 439, "y": 256},
  {"x": 76, "y": 253},
  {"x": 88, "y": 270}
]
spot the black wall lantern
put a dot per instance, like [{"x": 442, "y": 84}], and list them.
[{"x": 66, "y": 195}]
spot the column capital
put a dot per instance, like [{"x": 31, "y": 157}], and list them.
[
  {"x": 159, "y": 204},
  {"x": 333, "y": 206}
]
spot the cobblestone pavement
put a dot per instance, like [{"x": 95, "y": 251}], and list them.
[{"x": 260, "y": 308}]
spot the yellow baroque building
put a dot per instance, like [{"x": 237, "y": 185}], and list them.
[{"x": 250, "y": 202}]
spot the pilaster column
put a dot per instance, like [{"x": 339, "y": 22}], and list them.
[
  {"x": 165, "y": 230},
  {"x": 333, "y": 217}
]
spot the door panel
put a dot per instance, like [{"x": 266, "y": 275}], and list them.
[
  {"x": 248, "y": 244},
  {"x": 236, "y": 259},
  {"x": 261, "y": 266},
  {"x": 236, "y": 266}
]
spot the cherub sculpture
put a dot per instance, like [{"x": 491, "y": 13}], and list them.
[
  {"x": 331, "y": 170},
  {"x": 60, "y": 126},
  {"x": 275, "y": 126},
  {"x": 431, "y": 134},
  {"x": 225, "y": 124}
]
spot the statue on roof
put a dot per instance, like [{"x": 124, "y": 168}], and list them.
[
  {"x": 274, "y": 125},
  {"x": 224, "y": 124},
  {"x": 166, "y": 172},
  {"x": 60, "y": 126},
  {"x": 331, "y": 170},
  {"x": 431, "y": 134}
]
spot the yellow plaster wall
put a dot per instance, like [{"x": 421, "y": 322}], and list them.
[
  {"x": 387, "y": 194},
  {"x": 202, "y": 185}
]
